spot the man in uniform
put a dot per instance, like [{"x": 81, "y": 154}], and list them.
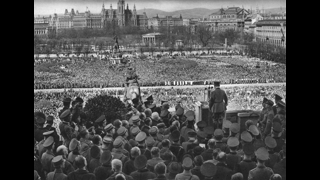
[
  {"x": 66, "y": 105},
  {"x": 142, "y": 173},
  {"x": 218, "y": 135},
  {"x": 187, "y": 165},
  {"x": 208, "y": 170},
  {"x": 100, "y": 124},
  {"x": 246, "y": 164},
  {"x": 48, "y": 155},
  {"x": 57, "y": 174},
  {"x": 262, "y": 114},
  {"x": 190, "y": 144},
  {"x": 148, "y": 102},
  {"x": 273, "y": 156},
  {"x": 118, "y": 152},
  {"x": 277, "y": 98},
  {"x": 268, "y": 117},
  {"x": 122, "y": 135},
  {"x": 175, "y": 147},
  {"x": 261, "y": 172},
  {"x": 38, "y": 132},
  {"x": 232, "y": 157},
  {"x": 218, "y": 105}
]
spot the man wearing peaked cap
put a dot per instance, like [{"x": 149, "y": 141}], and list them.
[
  {"x": 175, "y": 147},
  {"x": 273, "y": 156},
  {"x": 247, "y": 163},
  {"x": 268, "y": 117},
  {"x": 66, "y": 105},
  {"x": 192, "y": 137},
  {"x": 135, "y": 131},
  {"x": 218, "y": 104},
  {"x": 57, "y": 173},
  {"x": 261, "y": 171},
  {"x": 109, "y": 129},
  {"x": 222, "y": 169},
  {"x": 107, "y": 143},
  {"x": 281, "y": 106},
  {"x": 277, "y": 98},
  {"x": 64, "y": 116},
  {"x": 189, "y": 113},
  {"x": 208, "y": 169},
  {"x": 246, "y": 137},
  {"x": 150, "y": 141},
  {"x": 189, "y": 127},
  {"x": 49, "y": 122},
  {"x": 201, "y": 125},
  {"x": 226, "y": 130},
  {"x": 48, "y": 155},
  {"x": 235, "y": 129},
  {"x": 141, "y": 137},
  {"x": 218, "y": 135},
  {"x": 253, "y": 130},
  {"x": 118, "y": 152},
  {"x": 187, "y": 165},
  {"x": 232, "y": 157},
  {"x": 41, "y": 148},
  {"x": 101, "y": 122}
]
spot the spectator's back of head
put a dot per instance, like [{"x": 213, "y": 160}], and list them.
[
  {"x": 165, "y": 143},
  {"x": 160, "y": 168},
  {"x": 135, "y": 151},
  {"x": 155, "y": 151},
  {"x": 198, "y": 160},
  {"x": 80, "y": 162},
  {"x": 96, "y": 139},
  {"x": 275, "y": 177},
  {"x": 222, "y": 157},
  {"x": 237, "y": 176},
  {"x": 120, "y": 177},
  {"x": 116, "y": 165},
  {"x": 211, "y": 143}
]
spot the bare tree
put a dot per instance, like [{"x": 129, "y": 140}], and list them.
[{"x": 204, "y": 34}]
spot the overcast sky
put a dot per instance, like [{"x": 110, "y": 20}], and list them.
[{"x": 58, "y": 6}]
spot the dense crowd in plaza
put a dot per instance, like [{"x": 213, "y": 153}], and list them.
[
  {"x": 88, "y": 72},
  {"x": 160, "y": 145}
]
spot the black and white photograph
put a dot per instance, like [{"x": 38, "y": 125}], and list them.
[{"x": 159, "y": 90}]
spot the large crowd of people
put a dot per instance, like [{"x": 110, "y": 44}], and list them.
[
  {"x": 85, "y": 72},
  {"x": 160, "y": 145},
  {"x": 245, "y": 97}
]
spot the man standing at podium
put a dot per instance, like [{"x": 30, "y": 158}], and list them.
[{"x": 218, "y": 105}]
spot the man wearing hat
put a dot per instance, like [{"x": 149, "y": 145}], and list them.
[
  {"x": 187, "y": 165},
  {"x": 263, "y": 112},
  {"x": 67, "y": 167},
  {"x": 48, "y": 155},
  {"x": 276, "y": 133},
  {"x": 142, "y": 173},
  {"x": 153, "y": 131},
  {"x": 188, "y": 145},
  {"x": 208, "y": 170},
  {"x": 122, "y": 135},
  {"x": 198, "y": 161},
  {"x": 189, "y": 126},
  {"x": 178, "y": 115},
  {"x": 134, "y": 132},
  {"x": 109, "y": 130},
  {"x": 277, "y": 98},
  {"x": 40, "y": 147},
  {"x": 155, "y": 153},
  {"x": 160, "y": 134},
  {"x": 140, "y": 138},
  {"x": 160, "y": 170},
  {"x": 49, "y": 122},
  {"x": 118, "y": 152},
  {"x": 148, "y": 102},
  {"x": 218, "y": 135},
  {"x": 232, "y": 157},
  {"x": 74, "y": 148},
  {"x": 218, "y": 104},
  {"x": 246, "y": 138},
  {"x": 223, "y": 172},
  {"x": 268, "y": 117},
  {"x": 135, "y": 120},
  {"x": 226, "y": 130},
  {"x": 280, "y": 167},
  {"x": 175, "y": 147},
  {"x": 149, "y": 142},
  {"x": 207, "y": 154},
  {"x": 273, "y": 156},
  {"x": 105, "y": 170},
  {"x": 246, "y": 164},
  {"x": 165, "y": 114},
  {"x": 261, "y": 171},
  {"x": 58, "y": 163},
  {"x": 66, "y": 105},
  {"x": 117, "y": 124},
  {"x": 38, "y": 132},
  {"x": 100, "y": 123}
]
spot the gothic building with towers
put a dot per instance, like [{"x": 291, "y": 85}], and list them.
[{"x": 122, "y": 15}]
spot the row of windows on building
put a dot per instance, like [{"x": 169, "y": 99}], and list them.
[
  {"x": 39, "y": 32},
  {"x": 277, "y": 42},
  {"x": 225, "y": 16}
]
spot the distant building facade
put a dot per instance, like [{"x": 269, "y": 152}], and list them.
[
  {"x": 271, "y": 31},
  {"x": 151, "y": 38}
]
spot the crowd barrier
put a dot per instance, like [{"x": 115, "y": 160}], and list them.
[{"x": 166, "y": 83}]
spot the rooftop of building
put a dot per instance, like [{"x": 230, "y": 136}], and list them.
[
  {"x": 41, "y": 25},
  {"x": 272, "y": 22},
  {"x": 152, "y": 34}
]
